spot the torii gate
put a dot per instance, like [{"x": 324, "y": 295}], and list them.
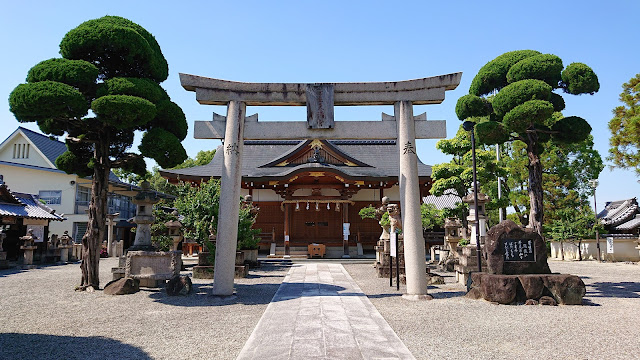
[{"x": 320, "y": 100}]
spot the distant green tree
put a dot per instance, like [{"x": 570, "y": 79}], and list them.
[
  {"x": 199, "y": 204},
  {"x": 522, "y": 84},
  {"x": 625, "y": 128},
  {"x": 573, "y": 225},
  {"x": 431, "y": 216},
  {"x": 103, "y": 89}
]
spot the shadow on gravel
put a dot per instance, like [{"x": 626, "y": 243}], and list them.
[
  {"x": 254, "y": 294},
  {"x": 624, "y": 289},
  {"x": 447, "y": 294},
  {"x": 8, "y": 272},
  {"x": 44, "y": 347}
]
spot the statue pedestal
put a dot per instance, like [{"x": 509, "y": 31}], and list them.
[
  {"x": 64, "y": 253},
  {"x": 28, "y": 254},
  {"x": 4, "y": 263}
]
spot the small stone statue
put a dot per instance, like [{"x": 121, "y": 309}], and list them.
[
  {"x": 65, "y": 239},
  {"x": 28, "y": 239},
  {"x": 212, "y": 232},
  {"x": 53, "y": 242},
  {"x": 382, "y": 209},
  {"x": 394, "y": 216}
]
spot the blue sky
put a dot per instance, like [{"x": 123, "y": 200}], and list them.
[{"x": 342, "y": 41}]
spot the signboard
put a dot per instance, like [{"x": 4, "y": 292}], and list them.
[
  {"x": 286, "y": 238},
  {"x": 609, "y": 245},
  {"x": 393, "y": 240},
  {"x": 521, "y": 250},
  {"x": 345, "y": 231}
]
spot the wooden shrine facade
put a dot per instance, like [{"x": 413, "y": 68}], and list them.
[{"x": 307, "y": 189}]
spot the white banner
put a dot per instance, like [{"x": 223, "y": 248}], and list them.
[
  {"x": 610, "y": 245},
  {"x": 393, "y": 237}
]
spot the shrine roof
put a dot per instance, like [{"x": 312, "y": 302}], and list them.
[
  {"x": 21, "y": 205},
  {"x": 381, "y": 158},
  {"x": 618, "y": 212}
]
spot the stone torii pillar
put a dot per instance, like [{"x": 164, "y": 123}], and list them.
[{"x": 320, "y": 100}]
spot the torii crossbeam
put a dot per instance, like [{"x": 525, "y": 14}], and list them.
[{"x": 320, "y": 100}]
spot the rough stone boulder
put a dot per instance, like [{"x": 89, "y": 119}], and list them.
[
  {"x": 566, "y": 289},
  {"x": 529, "y": 257},
  {"x": 509, "y": 289},
  {"x": 179, "y": 285},
  {"x": 122, "y": 286}
]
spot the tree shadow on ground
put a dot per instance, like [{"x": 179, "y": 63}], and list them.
[
  {"x": 44, "y": 347},
  {"x": 625, "y": 289}
]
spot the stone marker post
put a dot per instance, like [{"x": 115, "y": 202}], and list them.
[
  {"x": 414, "y": 250},
  {"x": 226, "y": 246},
  {"x": 110, "y": 217}
]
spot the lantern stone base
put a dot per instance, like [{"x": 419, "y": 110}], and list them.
[
  {"x": 4, "y": 263},
  {"x": 206, "y": 272},
  {"x": 153, "y": 268}
]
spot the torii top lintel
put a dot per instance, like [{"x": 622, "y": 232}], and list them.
[{"x": 423, "y": 91}]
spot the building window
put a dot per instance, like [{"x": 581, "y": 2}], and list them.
[
  {"x": 51, "y": 197},
  {"x": 21, "y": 151}
]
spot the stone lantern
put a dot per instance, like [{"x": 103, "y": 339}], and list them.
[
  {"x": 173, "y": 227},
  {"x": 452, "y": 233},
  {"x": 144, "y": 201},
  {"x": 28, "y": 247},
  {"x": 483, "y": 199},
  {"x": 64, "y": 245}
]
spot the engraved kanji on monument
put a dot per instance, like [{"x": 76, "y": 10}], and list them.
[{"x": 512, "y": 250}]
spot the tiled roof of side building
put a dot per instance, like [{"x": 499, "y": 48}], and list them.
[
  {"x": 446, "y": 201},
  {"x": 618, "y": 212},
  {"x": 50, "y": 148},
  {"x": 382, "y": 155}
]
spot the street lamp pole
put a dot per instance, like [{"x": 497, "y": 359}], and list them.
[
  {"x": 594, "y": 184},
  {"x": 468, "y": 126}
]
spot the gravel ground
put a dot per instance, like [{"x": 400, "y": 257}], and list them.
[
  {"x": 453, "y": 327},
  {"x": 41, "y": 317}
]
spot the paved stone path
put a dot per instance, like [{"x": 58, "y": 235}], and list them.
[{"x": 319, "y": 312}]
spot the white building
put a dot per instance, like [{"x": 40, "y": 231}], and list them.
[{"x": 27, "y": 162}]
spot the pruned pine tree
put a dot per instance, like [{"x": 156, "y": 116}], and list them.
[
  {"x": 524, "y": 85},
  {"x": 104, "y": 89}
]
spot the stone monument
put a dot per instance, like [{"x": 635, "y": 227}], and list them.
[{"x": 517, "y": 271}]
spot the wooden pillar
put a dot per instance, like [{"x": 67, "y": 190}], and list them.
[
  {"x": 226, "y": 243},
  {"x": 414, "y": 249},
  {"x": 287, "y": 230},
  {"x": 345, "y": 237}
]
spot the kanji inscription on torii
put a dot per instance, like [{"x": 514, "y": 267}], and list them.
[{"x": 320, "y": 99}]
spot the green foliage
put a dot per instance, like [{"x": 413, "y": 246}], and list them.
[
  {"x": 524, "y": 116},
  {"x": 163, "y": 146},
  {"x": 463, "y": 242},
  {"x": 70, "y": 163},
  {"x": 97, "y": 41},
  {"x": 45, "y": 100},
  {"x": 77, "y": 73},
  {"x": 625, "y": 128},
  {"x": 170, "y": 118},
  {"x": 470, "y": 105},
  {"x": 518, "y": 93},
  {"x": 159, "y": 232},
  {"x": 368, "y": 212},
  {"x": 557, "y": 101},
  {"x": 571, "y": 129},
  {"x": 140, "y": 87},
  {"x": 493, "y": 76},
  {"x": 384, "y": 221},
  {"x": 579, "y": 78},
  {"x": 200, "y": 205},
  {"x": 431, "y": 216},
  {"x": 572, "y": 224},
  {"x": 123, "y": 111},
  {"x": 491, "y": 132},
  {"x": 545, "y": 67}
]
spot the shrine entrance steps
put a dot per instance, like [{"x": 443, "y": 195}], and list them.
[{"x": 320, "y": 312}]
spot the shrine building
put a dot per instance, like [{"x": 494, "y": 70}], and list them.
[{"x": 307, "y": 189}]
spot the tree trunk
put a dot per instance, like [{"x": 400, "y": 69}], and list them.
[
  {"x": 562, "y": 249},
  {"x": 93, "y": 238},
  {"x": 536, "y": 211},
  {"x": 580, "y": 250}
]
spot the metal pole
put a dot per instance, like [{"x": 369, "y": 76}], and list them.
[
  {"x": 595, "y": 207},
  {"x": 398, "y": 265},
  {"x": 500, "y": 214},
  {"x": 390, "y": 268}
]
